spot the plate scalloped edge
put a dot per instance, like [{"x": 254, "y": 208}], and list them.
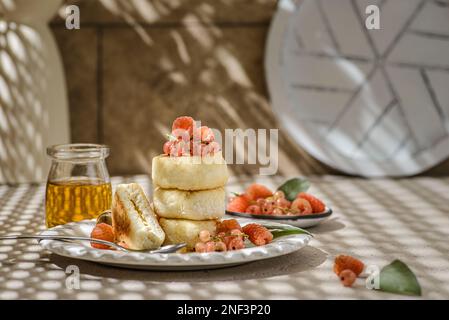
[{"x": 280, "y": 246}]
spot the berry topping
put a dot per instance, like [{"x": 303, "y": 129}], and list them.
[
  {"x": 204, "y": 134},
  {"x": 236, "y": 243},
  {"x": 228, "y": 225},
  {"x": 167, "y": 147},
  {"x": 267, "y": 208},
  {"x": 347, "y": 277},
  {"x": 196, "y": 148},
  {"x": 102, "y": 231},
  {"x": 301, "y": 206},
  {"x": 236, "y": 232},
  {"x": 186, "y": 123},
  {"x": 238, "y": 204},
  {"x": 343, "y": 262},
  {"x": 220, "y": 246},
  {"x": 317, "y": 205},
  {"x": 254, "y": 209},
  {"x": 200, "y": 247},
  {"x": 261, "y": 198},
  {"x": 256, "y": 191},
  {"x": 179, "y": 148},
  {"x": 210, "y": 246},
  {"x": 187, "y": 140},
  {"x": 282, "y": 203},
  {"x": 210, "y": 149},
  {"x": 180, "y": 134},
  {"x": 258, "y": 234}
]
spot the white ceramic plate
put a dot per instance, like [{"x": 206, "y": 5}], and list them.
[
  {"x": 172, "y": 261},
  {"x": 296, "y": 221},
  {"x": 367, "y": 102}
]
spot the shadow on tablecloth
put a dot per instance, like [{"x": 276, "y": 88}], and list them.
[
  {"x": 328, "y": 226},
  {"x": 305, "y": 259}
]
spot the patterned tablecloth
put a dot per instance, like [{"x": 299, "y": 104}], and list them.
[{"x": 376, "y": 220}]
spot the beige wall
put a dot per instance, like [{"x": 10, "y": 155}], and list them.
[{"x": 136, "y": 65}]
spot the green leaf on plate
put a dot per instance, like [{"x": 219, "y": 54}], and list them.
[
  {"x": 398, "y": 278},
  {"x": 280, "y": 231},
  {"x": 292, "y": 187}
]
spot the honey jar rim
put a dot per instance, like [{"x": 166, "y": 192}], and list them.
[{"x": 78, "y": 150}]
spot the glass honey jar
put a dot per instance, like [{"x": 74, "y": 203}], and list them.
[{"x": 78, "y": 185}]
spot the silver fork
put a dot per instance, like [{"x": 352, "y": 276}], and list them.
[{"x": 165, "y": 249}]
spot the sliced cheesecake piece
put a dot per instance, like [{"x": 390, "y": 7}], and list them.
[
  {"x": 189, "y": 172},
  {"x": 133, "y": 219}
]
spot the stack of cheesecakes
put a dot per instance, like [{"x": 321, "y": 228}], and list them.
[{"x": 189, "y": 193}]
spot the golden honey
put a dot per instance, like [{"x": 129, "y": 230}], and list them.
[{"x": 76, "y": 199}]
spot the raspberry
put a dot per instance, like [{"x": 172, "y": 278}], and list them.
[
  {"x": 221, "y": 234},
  {"x": 220, "y": 246},
  {"x": 226, "y": 240},
  {"x": 277, "y": 212},
  {"x": 253, "y": 209},
  {"x": 238, "y": 204},
  {"x": 102, "y": 231},
  {"x": 317, "y": 205},
  {"x": 236, "y": 243},
  {"x": 301, "y": 206},
  {"x": 186, "y": 123},
  {"x": 205, "y": 134},
  {"x": 268, "y": 205},
  {"x": 179, "y": 148},
  {"x": 258, "y": 234},
  {"x": 200, "y": 247},
  {"x": 228, "y": 225},
  {"x": 195, "y": 148},
  {"x": 210, "y": 149},
  {"x": 167, "y": 147},
  {"x": 343, "y": 262},
  {"x": 267, "y": 208},
  {"x": 347, "y": 277},
  {"x": 257, "y": 191},
  {"x": 210, "y": 246},
  {"x": 181, "y": 134}
]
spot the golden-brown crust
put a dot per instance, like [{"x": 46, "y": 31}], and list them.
[
  {"x": 133, "y": 219},
  {"x": 120, "y": 220}
]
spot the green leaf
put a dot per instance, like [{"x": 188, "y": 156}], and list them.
[
  {"x": 280, "y": 231},
  {"x": 398, "y": 278},
  {"x": 292, "y": 187}
]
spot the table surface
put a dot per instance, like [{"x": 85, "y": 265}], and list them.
[{"x": 375, "y": 220}]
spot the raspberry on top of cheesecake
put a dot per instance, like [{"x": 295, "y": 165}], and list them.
[{"x": 186, "y": 139}]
